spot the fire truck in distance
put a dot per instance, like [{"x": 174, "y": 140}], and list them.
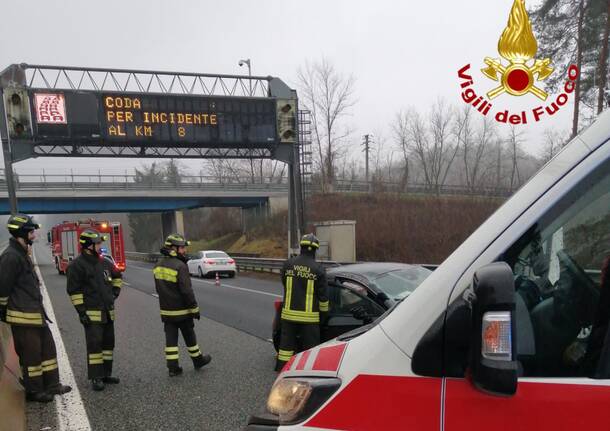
[{"x": 65, "y": 245}]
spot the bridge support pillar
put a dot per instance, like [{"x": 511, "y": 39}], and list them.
[
  {"x": 172, "y": 222},
  {"x": 253, "y": 215}
]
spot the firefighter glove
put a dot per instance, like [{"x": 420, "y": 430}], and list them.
[
  {"x": 197, "y": 315},
  {"x": 2, "y": 314}
]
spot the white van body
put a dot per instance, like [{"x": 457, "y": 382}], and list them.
[{"x": 378, "y": 389}]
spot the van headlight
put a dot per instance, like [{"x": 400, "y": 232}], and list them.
[{"x": 295, "y": 399}]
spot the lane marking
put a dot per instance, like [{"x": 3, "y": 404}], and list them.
[
  {"x": 230, "y": 286},
  {"x": 155, "y": 295},
  {"x": 71, "y": 413}
]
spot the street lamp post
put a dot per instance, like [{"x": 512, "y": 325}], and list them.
[{"x": 249, "y": 64}]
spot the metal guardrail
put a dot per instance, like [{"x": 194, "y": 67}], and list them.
[{"x": 256, "y": 264}]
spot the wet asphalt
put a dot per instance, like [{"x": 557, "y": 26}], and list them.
[{"x": 234, "y": 329}]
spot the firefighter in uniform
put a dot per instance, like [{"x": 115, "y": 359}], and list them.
[
  {"x": 21, "y": 306},
  {"x": 305, "y": 301},
  {"x": 93, "y": 287},
  {"x": 178, "y": 304}
]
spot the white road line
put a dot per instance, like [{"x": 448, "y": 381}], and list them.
[
  {"x": 155, "y": 295},
  {"x": 71, "y": 414},
  {"x": 239, "y": 288},
  {"x": 230, "y": 286}
]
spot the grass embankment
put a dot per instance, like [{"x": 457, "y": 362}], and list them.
[
  {"x": 400, "y": 228},
  {"x": 237, "y": 243}
]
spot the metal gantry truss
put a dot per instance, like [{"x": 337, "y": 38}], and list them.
[
  {"x": 151, "y": 152},
  {"x": 305, "y": 150},
  {"x": 138, "y": 81},
  {"x": 43, "y": 77}
]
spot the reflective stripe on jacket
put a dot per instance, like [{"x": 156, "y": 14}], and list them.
[
  {"x": 173, "y": 284},
  {"x": 20, "y": 288},
  {"x": 305, "y": 290},
  {"x": 90, "y": 288}
]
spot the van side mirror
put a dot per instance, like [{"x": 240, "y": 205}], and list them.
[{"x": 493, "y": 362}]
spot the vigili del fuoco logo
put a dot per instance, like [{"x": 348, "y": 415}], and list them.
[{"x": 521, "y": 73}]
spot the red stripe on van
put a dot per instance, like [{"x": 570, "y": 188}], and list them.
[
  {"x": 303, "y": 360},
  {"x": 374, "y": 403},
  {"x": 328, "y": 358},
  {"x": 535, "y": 406}
]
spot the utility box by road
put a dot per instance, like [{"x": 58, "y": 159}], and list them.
[{"x": 337, "y": 240}]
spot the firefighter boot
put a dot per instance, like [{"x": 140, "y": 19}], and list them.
[
  {"x": 39, "y": 397},
  {"x": 201, "y": 361},
  {"x": 59, "y": 389},
  {"x": 97, "y": 384},
  {"x": 109, "y": 380},
  {"x": 175, "y": 371}
]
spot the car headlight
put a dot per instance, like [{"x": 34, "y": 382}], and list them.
[{"x": 295, "y": 399}]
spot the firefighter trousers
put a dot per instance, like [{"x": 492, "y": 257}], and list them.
[
  {"x": 37, "y": 357},
  {"x": 308, "y": 335},
  {"x": 100, "y": 349},
  {"x": 172, "y": 355}
]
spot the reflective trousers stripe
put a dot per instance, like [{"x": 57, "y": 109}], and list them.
[
  {"x": 117, "y": 282},
  {"x": 96, "y": 358},
  {"x": 194, "y": 351},
  {"x": 107, "y": 355},
  {"x": 324, "y": 306},
  {"x": 285, "y": 355},
  {"x": 171, "y": 353}
]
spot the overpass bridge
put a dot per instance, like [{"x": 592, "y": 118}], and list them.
[
  {"x": 77, "y": 193},
  {"x": 43, "y": 193}
]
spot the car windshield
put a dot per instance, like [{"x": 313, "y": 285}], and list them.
[
  {"x": 401, "y": 283},
  {"x": 217, "y": 254}
]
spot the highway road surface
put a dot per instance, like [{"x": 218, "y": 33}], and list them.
[{"x": 235, "y": 329}]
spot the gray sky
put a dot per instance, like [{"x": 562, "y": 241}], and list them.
[{"x": 401, "y": 53}]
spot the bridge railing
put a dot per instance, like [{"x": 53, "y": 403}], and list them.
[
  {"x": 45, "y": 181},
  {"x": 130, "y": 181}
]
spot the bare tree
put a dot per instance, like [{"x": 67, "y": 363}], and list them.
[
  {"x": 514, "y": 141},
  {"x": 474, "y": 143},
  {"x": 554, "y": 140},
  {"x": 433, "y": 144},
  {"x": 400, "y": 130},
  {"x": 328, "y": 95}
]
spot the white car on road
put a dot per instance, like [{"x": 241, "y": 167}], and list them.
[{"x": 210, "y": 262}]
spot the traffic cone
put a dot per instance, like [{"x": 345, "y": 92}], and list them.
[{"x": 217, "y": 280}]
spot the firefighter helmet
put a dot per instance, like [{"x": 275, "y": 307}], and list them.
[
  {"x": 91, "y": 236},
  {"x": 176, "y": 240},
  {"x": 20, "y": 225},
  {"x": 310, "y": 242}
]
